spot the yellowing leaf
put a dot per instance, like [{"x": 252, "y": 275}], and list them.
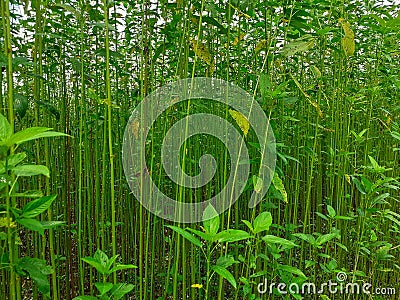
[
  {"x": 197, "y": 286},
  {"x": 238, "y": 39},
  {"x": 258, "y": 184},
  {"x": 201, "y": 51},
  {"x": 278, "y": 184},
  {"x": 299, "y": 45},
  {"x": 240, "y": 120},
  {"x": 260, "y": 46},
  {"x": 348, "y": 43},
  {"x": 347, "y": 176},
  {"x": 135, "y": 128}
]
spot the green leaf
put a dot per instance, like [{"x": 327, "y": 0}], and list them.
[
  {"x": 86, "y": 298},
  {"x": 278, "y": 184},
  {"x": 224, "y": 273},
  {"x": 360, "y": 187},
  {"x": 31, "y": 170},
  {"x": 29, "y": 194},
  {"x": 37, "y": 270},
  {"x": 203, "y": 235},
  {"x": 226, "y": 261},
  {"x": 186, "y": 235},
  {"x": 122, "y": 267},
  {"x": 36, "y": 207},
  {"x": 52, "y": 224},
  {"x": 31, "y": 133},
  {"x": 396, "y": 135},
  {"x": 331, "y": 211},
  {"x": 32, "y": 224},
  {"x": 248, "y": 224},
  {"x": 306, "y": 237},
  {"x": 231, "y": 235},
  {"x": 299, "y": 45},
  {"x": 70, "y": 9},
  {"x": 292, "y": 270},
  {"x": 210, "y": 220},
  {"x": 271, "y": 239},
  {"x": 5, "y": 128},
  {"x": 326, "y": 237},
  {"x": 103, "y": 287},
  {"x": 99, "y": 261},
  {"x": 262, "y": 222},
  {"x": 15, "y": 159},
  {"x": 120, "y": 290}
]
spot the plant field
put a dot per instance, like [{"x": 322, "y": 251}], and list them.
[{"x": 321, "y": 75}]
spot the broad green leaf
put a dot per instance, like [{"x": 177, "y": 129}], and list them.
[
  {"x": 396, "y": 135},
  {"x": 32, "y": 224},
  {"x": 305, "y": 237},
  {"x": 15, "y": 159},
  {"x": 36, "y": 207},
  {"x": 31, "y": 170},
  {"x": 262, "y": 222},
  {"x": 326, "y": 237},
  {"x": 299, "y": 45},
  {"x": 95, "y": 264},
  {"x": 231, "y": 235},
  {"x": 5, "y": 128},
  {"x": 99, "y": 261},
  {"x": 203, "y": 235},
  {"x": 248, "y": 224},
  {"x": 271, "y": 239},
  {"x": 186, "y": 235},
  {"x": 210, "y": 220},
  {"x": 226, "y": 261},
  {"x": 110, "y": 262},
  {"x": 122, "y": 267},
  {"x": 31, "y": 133},
  {"x": 278, "y": 184},
  {"x": 70, "y": 9},
  {"x": 292, "y": 270},
  {"x": 225, "y": 274},
  {"x": 37, "y": 270},
  {"x": 103, "y": 287},
  {"x": 331, "y": 211},
  {"x": 102, "y": 258},
  {"x": 360, "y": 187},
  {"x": 120, "y": 290}
]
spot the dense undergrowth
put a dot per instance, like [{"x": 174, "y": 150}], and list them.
[{"x": 327, "y": 74}]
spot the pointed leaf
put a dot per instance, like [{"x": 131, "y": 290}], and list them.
[
  {"x": 231, "y": 235},
  {"x": 36, "y": 207},
  {"x": 5, "y": 128},
  {"x": 32, "y": 224},
  {"x": 103, "y": 287},
  {"x": 225, "y": 274},
  {"x": 31, "y": 170},
  {"x": 262, "y": 222},
  {"x": 186, "y": 235},
  {"x": 210, "y": 220}
]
